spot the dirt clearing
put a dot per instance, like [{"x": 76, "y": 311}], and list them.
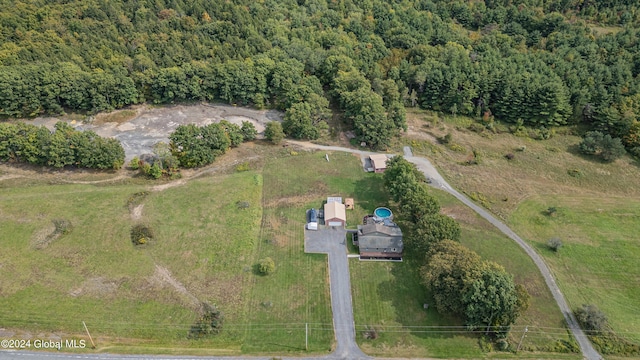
[{"x": 138, "y": 130}]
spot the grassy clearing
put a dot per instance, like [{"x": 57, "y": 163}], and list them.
[
  {"x": 599, "y": 261},
  {"x": 205, "y": 245},
  {"x": 118, "y": 116},
  {"x": 95, "y": 274},
  {"x": 389, "y": 297}
]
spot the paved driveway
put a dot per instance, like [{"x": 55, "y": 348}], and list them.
[{"x": 332, "y": 241}]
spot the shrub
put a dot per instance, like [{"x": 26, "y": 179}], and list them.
[
  {"x": 273, "y": 132},
  {"x": 455, "y": 147},
  {"x": 242, "y": 204},
  {"x": 601, "y": 145},
  {"x": 136, "y": 198},
  {"x": 446, "y": 139},
  {"x": 503, "y": 344},
  {"x": 370, "y": 333},
  {"x": 141, "y": 234},
  {"x": 591, "y": 318},
  {"x": 209, "y": 323},
  {"x": 155, "y": 171},
  {"x": 554, "y": 244},
  {"x": 551, "y": 211},
  {"x": 509, "y": 156},
  {"x": 243, "y": 167},
  {"x": 266, "y": 266},
  {"x": 62, "y": 226},
  {"x": 576, "y": 173},
  {"x": 134, "y": 164}
]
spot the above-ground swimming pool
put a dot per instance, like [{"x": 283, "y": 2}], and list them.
[{"x": 382, "y": 213}]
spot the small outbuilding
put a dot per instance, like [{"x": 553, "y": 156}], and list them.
[
  {"x": 335, "y": 214},
  {"x": 348, "y": 203},
  {"x": 378, "y": 162}
]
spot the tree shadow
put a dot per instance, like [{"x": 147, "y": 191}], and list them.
[{"x": 408, "y": 297}]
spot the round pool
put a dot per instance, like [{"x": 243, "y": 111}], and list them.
[{"x": 382, "y": 213}]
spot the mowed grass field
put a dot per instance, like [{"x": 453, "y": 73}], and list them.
[
  {"x": 298, "y": 291},
  {"x": 599, "y": 262},
  {"x": 390, "y": 298}
]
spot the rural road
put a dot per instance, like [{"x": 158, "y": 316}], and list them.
[{"x": 437, "y": 181}]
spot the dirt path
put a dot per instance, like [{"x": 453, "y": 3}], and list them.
[
  {"x": 164, "y": 275},
  {"x": 136, "y": 212},
  {"x": 10, "y": 176}
]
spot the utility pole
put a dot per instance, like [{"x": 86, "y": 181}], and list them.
[
  {"x": 90, "y": 338},
  {"x": 526, "y": 328},
  {"x": 306, "y": 336}
]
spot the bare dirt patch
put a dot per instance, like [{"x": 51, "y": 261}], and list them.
[
  {"x": 99, "y": 287},
  {"x": 118, "y": 116},
  {"x": 136, "y": 212},
  {"x": 45, "y": 236},
  {"x": 140, "y": 128}
]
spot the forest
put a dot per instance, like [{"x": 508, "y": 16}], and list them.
[{"x": 539, "y": 63}]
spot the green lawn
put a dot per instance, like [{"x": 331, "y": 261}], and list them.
[
  {"x": 95, "y": 274},
  {"x": 600, "y": 260},
  {"x": 205, "y": 247},
  {"x": 389, "y": 297},
  {"x": 144, "y": 299}
]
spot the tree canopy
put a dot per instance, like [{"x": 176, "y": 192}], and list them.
[
  {"x": 539, "y": 62},
  {"x": 64, "y": 147}
]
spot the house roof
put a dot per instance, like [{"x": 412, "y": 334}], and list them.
[
  {"x": 378, "y": 161},
  {"x": 335, "y": 210},
  {"x": 377, "y": 237},
  {"x": 379, "y": 229},
  {"x": 380, "y": 243}
]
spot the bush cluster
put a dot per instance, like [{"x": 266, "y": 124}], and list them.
[
  {"x": 141, "y": 234},
  {"x": 208, "y": 323}
]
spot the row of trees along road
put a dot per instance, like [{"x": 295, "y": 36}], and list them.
[
  {"x": 518, "y": 60},
  {"x": 481, "y": 292}
]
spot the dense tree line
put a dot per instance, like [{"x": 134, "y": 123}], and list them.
[
  {"x": 64, "y": 147},
  {"x": 481, "y": 292},
  {"x": 521, "y": 61}
]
